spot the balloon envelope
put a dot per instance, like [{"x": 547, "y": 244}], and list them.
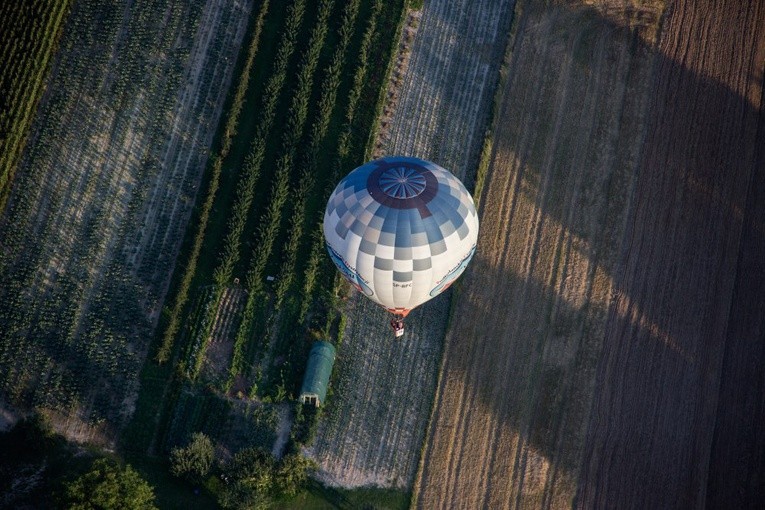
[{"x": 401, "y": 230}]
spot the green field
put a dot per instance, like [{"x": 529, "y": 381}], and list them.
[
  {"x": 230, "y": 348},
  {"x": 228, "y": 352}
]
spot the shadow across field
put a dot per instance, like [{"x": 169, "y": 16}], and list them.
[{"x": 617, "y": 297}]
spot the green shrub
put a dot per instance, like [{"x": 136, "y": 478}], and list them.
[
  {"x": 194, "y": 461},
  {"x": 108, "y": 486}
]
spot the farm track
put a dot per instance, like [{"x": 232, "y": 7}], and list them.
[
  {"x": 611, "y": 299},
  {"x": 377, "y": 416},
  {"x": 97, "y": 212}
]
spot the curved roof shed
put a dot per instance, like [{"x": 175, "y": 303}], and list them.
[{"x": 317, "y": 373}]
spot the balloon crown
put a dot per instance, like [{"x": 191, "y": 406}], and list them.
[{"x": 402, "y": 182}]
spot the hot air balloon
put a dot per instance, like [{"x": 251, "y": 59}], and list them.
[{"x": 400, "y": 230}]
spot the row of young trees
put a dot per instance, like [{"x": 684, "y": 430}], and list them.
[
  {"x": 313, "y": 264},
  {"x": 270, "y": 224},
  {"x": 321, "y": 299},
  {"x": 229, "y": 132},
  {"x": 324, "y": 160},
  {"x": 316, "y": 139},
  {"x": 250, "y": 172}
]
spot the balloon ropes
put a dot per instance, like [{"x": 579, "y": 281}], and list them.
[{"x": 401, "y": 230}]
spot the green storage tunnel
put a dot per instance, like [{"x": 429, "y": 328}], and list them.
[{"x": 317, "y": 373}]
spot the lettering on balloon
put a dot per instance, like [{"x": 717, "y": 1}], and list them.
[
  {"x": 453, "y": 274},
  {"x": 350, "y": 272}
]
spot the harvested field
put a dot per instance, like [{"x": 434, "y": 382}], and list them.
[
  {"x": 101, "y": 199},
  {"x": 676, "y": 391},
  {"x": 603, "y": 296},
  {"x": 377, "y": 415}
]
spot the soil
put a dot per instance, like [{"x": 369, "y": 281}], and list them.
[
  {"x": 222, "y": 335},
  {"x": 615, "y": 303},
  {"x": 686, "y": 325}
]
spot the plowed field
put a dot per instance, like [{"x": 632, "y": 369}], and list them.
[
  {"x": 676, "y": 392},
  {"x": 615, "y": 290}
]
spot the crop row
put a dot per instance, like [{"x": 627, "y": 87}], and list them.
[
  {"x": 289, "y": 344},
  {"x": 217, "y": 164},
  {"x": 251, "y": 170},
  {"x": 343, "y": 148},
  {"x": 270, "y": 224},
  {"x": 31, "y": 30},
  {"x": 329, "y": 88},
  {"x": 283, "y": 340}
]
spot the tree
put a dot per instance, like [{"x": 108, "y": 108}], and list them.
[
  {"x": 249, "y": 480},
  {"x": 31, "y": 459},
  {"x": 194, "y": 461},
  {"x": 254, "y": 478},
  {"x": 30, "y": 438},
  {"x": 292, "y": 474},
  {"x": 109, "y": 486}
]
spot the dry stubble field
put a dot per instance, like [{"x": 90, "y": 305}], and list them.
[{"x": 614, "y": 292}]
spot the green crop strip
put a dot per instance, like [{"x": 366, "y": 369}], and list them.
[
  {"x": 182, "y": 295},
  {"x": 250, "y": 174}
]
